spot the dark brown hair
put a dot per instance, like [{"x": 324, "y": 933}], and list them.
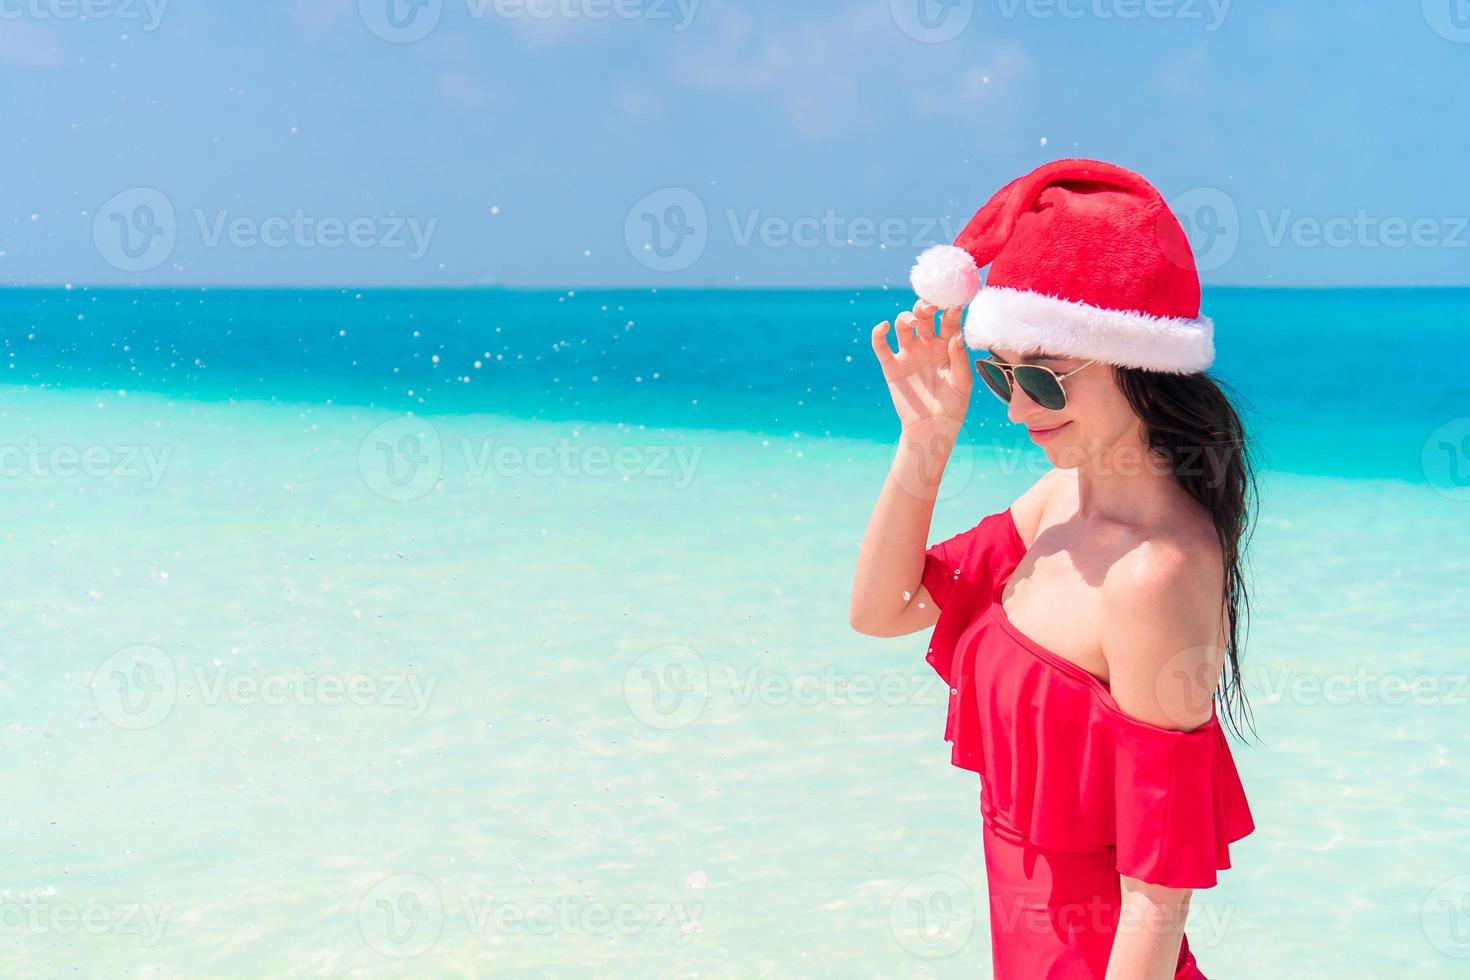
[{"x": 1191, "y": 422}]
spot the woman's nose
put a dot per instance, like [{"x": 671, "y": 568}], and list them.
[{"x": 1020, "y": 407}]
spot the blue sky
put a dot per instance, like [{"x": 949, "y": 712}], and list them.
[{"x": 712, "y": 142}]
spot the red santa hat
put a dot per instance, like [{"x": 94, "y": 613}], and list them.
[{"x": 1086, "y": 260}]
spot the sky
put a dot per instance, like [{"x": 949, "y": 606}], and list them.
[{"x": 697, "y": 143}]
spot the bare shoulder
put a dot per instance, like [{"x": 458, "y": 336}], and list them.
[
  {"x": 1170, "y": 560},
  {"x": 1162, "y": 625},
  {"x": 1029, "y": 508}
]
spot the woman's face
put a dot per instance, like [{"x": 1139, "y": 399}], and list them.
[{"x": 1096, "y": 417}]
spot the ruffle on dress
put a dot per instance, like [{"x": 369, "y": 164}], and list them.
[{"x": 1060, "y": 764}]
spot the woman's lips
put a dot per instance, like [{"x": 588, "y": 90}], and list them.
[{"x": 1042, "y": 435}]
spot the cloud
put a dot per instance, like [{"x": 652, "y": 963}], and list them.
[
  {"x": 978, "y": 85},
  {"x": 463, "y": 91},
  {"x": 1184, "y": 73},
  {"x": 637, "y": 102},
  {"x": 539, "y": 24},
  {"x": 28, "y": 45},
  {"x": 319, "y": 16},
  {"x": 830, "y": 72},
  {"x": 800, "y": 66}
]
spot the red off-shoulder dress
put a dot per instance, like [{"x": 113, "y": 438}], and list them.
[{"x": 1073, "y": 791}]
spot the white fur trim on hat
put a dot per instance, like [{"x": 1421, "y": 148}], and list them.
[
  {"x": 1029, "y": 322},
  {"x": 945, "y": 275}
]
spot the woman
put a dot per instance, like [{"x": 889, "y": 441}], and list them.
[{"x": 1088, "y": 630}]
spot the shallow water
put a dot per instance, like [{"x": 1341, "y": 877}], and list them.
[{"x": 288, "y": 692}]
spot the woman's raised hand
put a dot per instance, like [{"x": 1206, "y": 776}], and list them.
[{"x": 930, "y": 377}]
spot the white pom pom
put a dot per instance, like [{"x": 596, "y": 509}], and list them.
[{"x": 946, "y": 276}]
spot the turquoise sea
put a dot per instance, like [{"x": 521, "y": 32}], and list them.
[{"x": 503, "y": 634}]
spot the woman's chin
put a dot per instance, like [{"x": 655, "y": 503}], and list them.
[
  {"x": 1059, "y": 444},
  {"x": 1065, "y": 453}
]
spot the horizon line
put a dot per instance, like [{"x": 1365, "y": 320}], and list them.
[{"x": 502, "y": 287}]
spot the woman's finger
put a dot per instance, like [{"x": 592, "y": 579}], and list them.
[
  {"x": 880, "y": 344},
  {"x": 925, "y": 311},
  {"x": 906, "y": 324},
  {"x": 960, "y": 374},
  {"x": 949, "y": 323}
]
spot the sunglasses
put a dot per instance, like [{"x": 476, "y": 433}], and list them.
[{"x": 1041, "y": 384}]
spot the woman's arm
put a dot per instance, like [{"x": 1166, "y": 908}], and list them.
[
  {"x": 930, "y": 381},
  {"x": 1161, "y": 609},
  {"x": 1150, "y": 928}
]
